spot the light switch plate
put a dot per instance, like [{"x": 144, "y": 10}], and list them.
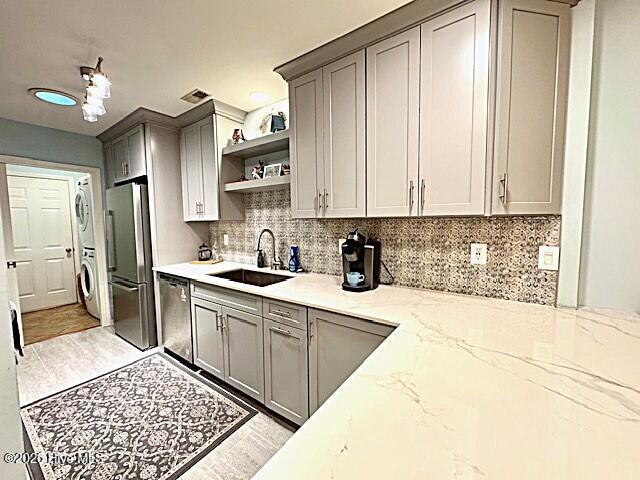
[
  {"x": 478, "y": 254},
  {"x": 225, "y": 239},
  {"x": 340, "y": 242},
  {"x": 548, "y": 257}
]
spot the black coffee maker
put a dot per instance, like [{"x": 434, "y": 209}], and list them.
[{"x": 360, "y": 262}]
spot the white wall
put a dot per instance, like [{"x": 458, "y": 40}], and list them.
[
  {"x": 252, "y": 121},
  {"x": 610, "y": 269},
  {"x": 575, "y": 158}
]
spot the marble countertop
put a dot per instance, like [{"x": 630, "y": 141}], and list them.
[{"x": 467, "y": 388}]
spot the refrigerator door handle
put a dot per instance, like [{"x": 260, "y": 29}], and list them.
[
  {"x": 108, "y": 222},
  {"x": 121, "y": 286}
]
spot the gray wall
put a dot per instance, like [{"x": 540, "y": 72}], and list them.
[
  {"x": 41, "y": 143},
  {"x": 610, "y": 270}
]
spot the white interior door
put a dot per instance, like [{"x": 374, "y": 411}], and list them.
[{"x": 43, "y": 241}]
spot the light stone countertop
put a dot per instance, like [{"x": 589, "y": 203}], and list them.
[{"x": 466, "y": 388}]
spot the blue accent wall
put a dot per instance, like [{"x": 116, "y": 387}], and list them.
[{"x": 41, "y": 143}]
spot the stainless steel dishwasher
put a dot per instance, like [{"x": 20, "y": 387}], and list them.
[{"x": 175, "y": 316}]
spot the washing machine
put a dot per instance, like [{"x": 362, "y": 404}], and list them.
[
  {"x": 89, "y": 281},
  {"x": 83, "y": 212}
]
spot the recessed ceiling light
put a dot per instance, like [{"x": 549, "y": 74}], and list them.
[
  {"x": 258, "y": 97},
  {"x": 54, "y": 96}
]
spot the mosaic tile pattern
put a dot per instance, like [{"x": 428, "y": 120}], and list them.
[{"x": 428, "y": 253}]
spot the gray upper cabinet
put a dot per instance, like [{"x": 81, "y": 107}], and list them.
[
  {"x": 327, "y": 108},
  {"x": 129, "y": 156},
  {"x": 338, "y": 345},
  {"x": 306, "y": 144},
  {"x": 454, "y": 88},
  {"x": 199, "y": 167},
  {"x": 393, "y": 82},
  {"x": 285, "y": 371},
  {"x": 531, "y": 97},
  {"x": 243, "y": 352},
  {"x": 343, "y": 189},
  {"x": 208, "y": 346}
]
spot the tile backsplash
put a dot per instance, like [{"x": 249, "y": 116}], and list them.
[{"x": 428, "y": 253}]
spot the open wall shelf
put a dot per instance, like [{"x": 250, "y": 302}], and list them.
[
  {"x": 275, "y": 142},
  {"x": 258, "y": 185}
]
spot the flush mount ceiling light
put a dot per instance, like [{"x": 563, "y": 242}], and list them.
[
  {"x": 54, "y": 96},
  {"x": 258, "y": 97},
  {"x": 98, "y": 89}
]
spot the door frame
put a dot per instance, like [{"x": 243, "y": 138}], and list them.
[
  {"x": 75, "y": 243},
  {"x": 97, "y": 193}
]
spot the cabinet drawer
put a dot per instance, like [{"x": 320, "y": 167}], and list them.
[
  {"x": 286, "y": 313},
  {"x": 244, "y": 302}
]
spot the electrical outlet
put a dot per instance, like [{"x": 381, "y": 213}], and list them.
[
  {"x": 340, "y": 242},
  {"x": 478, "y": 254},
  {"x": 225, "y": 239},
  {"x": 548, "y": 257}
]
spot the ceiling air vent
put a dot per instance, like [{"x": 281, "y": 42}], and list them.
[{"x": 195, "y": 96}]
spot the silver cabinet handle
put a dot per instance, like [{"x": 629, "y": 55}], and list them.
[
  {"x": 326, "y": 200},
  {"x": 423, "y": 186},
  {"x": 320, "y": 201},
  {"x": 281, "y": 313},
  {"x": 222, "y": 325},
  {"x": 281, "y": 330},
  {"x": 410, "y": 195},
  {"x": 217, "y": 321},
  {"x": 503, "y": 188},
  {"x": 201, "y": 208}
]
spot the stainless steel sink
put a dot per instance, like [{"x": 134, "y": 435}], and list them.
[{"x": 251, "y": 277}]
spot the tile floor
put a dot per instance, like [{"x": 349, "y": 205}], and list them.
[{"x": 62, "y": 362}]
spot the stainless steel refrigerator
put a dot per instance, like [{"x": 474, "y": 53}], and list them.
[{"x": 130, "y": 274}]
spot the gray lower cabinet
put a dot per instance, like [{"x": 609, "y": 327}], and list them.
[
  {"x": 338, "y": 345},
  {"x": 286, "y": 389},
  {"x": 243, "y": 352},
  {"x": 208, "y": 345}
]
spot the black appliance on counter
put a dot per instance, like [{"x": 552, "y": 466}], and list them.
[{"x": 361, "y": 255}]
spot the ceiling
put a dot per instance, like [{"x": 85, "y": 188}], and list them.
[{"x": 155, "y": 51}]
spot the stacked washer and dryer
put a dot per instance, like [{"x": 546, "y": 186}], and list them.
[{"x": 88, "y": 272}]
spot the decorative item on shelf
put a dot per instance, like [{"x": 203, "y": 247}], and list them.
[
  {"x": 294, "y": 259},
  {"x": 272, "y": 170},
  {"x": 278, "y": 122},
  {"x": 98, "y": 88},
  {"x": 286, "y": 169},
  {"x": 273, "y": 122},
  {"x": 258, "y": 170},
  {"x": 237, "y": 136},
  {"x": 204, "y": 253}
]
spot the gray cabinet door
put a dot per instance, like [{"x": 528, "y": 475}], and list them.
[
  {"x": 531, "y": 99},
  {"x": 199, "y": 168},
  {"x": 338, "y": 345},
  {"x": 119, "y": 152},
  {"x": 393, "y": 83},
  {"x": 454, "y": 85},
  {"x": 343, "y": 82},
  {"x": 285, "y": 371},
  {"x": 206, "y": 325},
  {"x": 129, "y": 155},
  {"x": 306, "y": 144},
  {"x": 191, "y": 168},
  {"x": 136, "y": 157},
  {"x": 109, "y": 164},
  {"x": 243, "y": 352}
]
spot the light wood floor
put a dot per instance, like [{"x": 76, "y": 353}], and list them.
[
  {"x": 62, "y": 362},
  {"x": 53, "y": 322}
]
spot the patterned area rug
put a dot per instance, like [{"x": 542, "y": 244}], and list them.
[{"x": 152, "y": 419}]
